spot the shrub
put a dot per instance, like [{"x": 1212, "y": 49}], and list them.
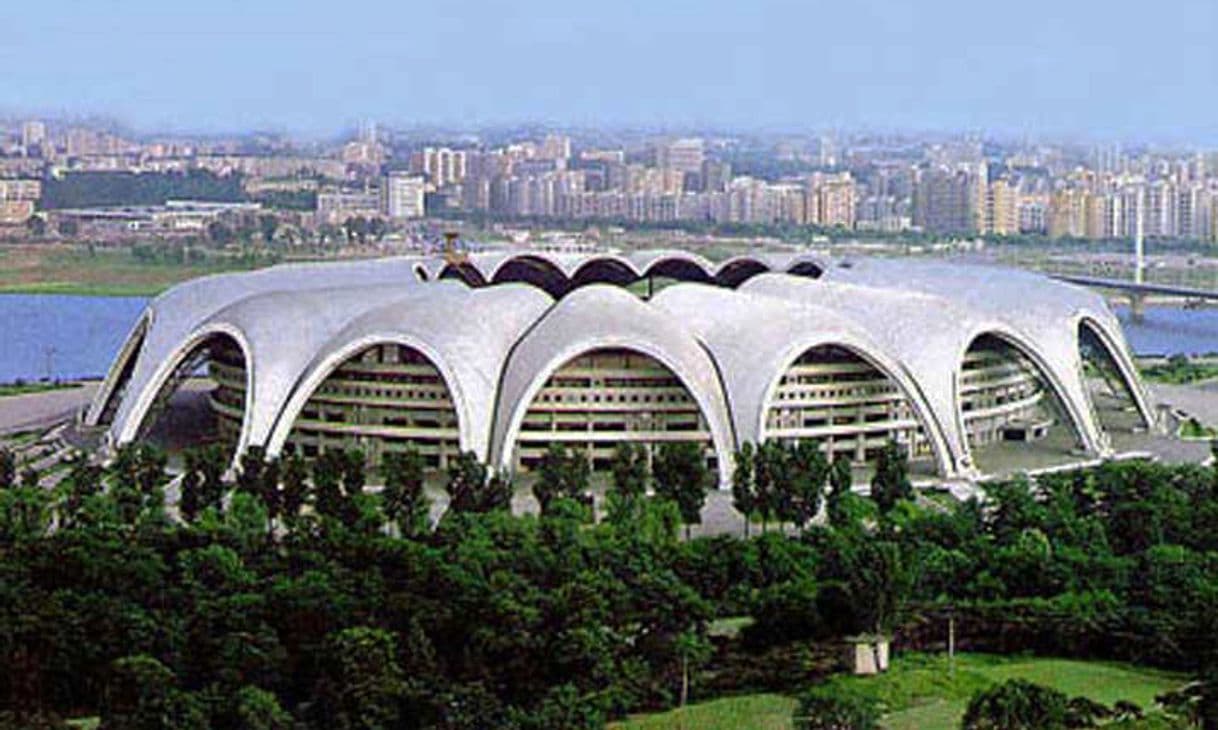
[
  {"x": 821, "y": 710},
  {"x": 1016, "y": 705}
]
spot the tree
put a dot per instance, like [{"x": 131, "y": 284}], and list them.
[
  {"x": 471, "y": 490},
  {"x": 1016, "y": 704},
  {"x": 404, "y": 500},
  {"x": 267, "y": 225},
  {"x": 630, "y": 471},
  {"x": 257, "y": 709},
  {"x": 142, "y": 694},
  {"x": 693, "y": 650},
  {"x": 190, "y": 497},
  {"x": 809, "y": 470},
  {"x": 560, "y": 475},
  {"x": 377, "y": 228},
  {"x": 8, "y": 468},
  {"x": 68, "y": 227},
  {"x": 841, "y": 482},
  {"x": 744, "y": 484},
  {"x": 362, "y": 685},
  {"x": 891, "y": 481},
  {"x": 823, "y": 709},
  {"x": 682, "y": 477},
  {"x": 295, "y": 487},
  {"x": 36, "y": 225},
  {"x": 220, "y": 233}
]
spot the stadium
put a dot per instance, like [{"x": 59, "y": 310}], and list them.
[{"x": 974, "y": 370}]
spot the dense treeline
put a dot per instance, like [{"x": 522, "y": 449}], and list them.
[
  {"x": 295, "y": 596},
  {"x": 92, "y": 189}
]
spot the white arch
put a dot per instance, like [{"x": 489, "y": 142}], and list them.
[
  {"x": 129, "y": 430},
  {"x": 721, "y": 439},
  {"x": 1119, "y": 354},
  {"x": 886, "y": 367},
  {"x": 1069, "y": 398},
  {"x": 285, "y": 420},
  {"x": 127, "y": 356}
]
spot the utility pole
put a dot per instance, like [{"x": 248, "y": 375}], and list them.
[{"x": 1137, "y": 299}]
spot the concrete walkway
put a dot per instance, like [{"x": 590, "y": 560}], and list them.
[{"x": 45, "y": 409}]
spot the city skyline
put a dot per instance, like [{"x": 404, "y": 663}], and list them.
[{"x": 1067, "y": 70}]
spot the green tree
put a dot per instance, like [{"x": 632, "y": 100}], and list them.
[
  {"x": 630, "y": 471},
  {"x": 809, "y": 470},
  {"x": 362, "y": 685},
  {"x": 295, "y": 487},
  {"x": 8, "y": 468},
  {"x": 841, "y": 482},
  {"x": 471, "y": 489},
  {"x": 404, "y": 500},
  {"x": 142, "y": 694},
  {"x": 890, "y": 483},
  {"x": 560, "y": 475},
  {"x": 744, "y": 484},
  {"x": 257, "y": 709},
  {"x": 693, "y": 650},
  {"x": 267, "y": 225},
  {"x": 682, "y": 477}
]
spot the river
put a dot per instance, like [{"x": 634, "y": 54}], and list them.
[{"x": 60, "y": 336}]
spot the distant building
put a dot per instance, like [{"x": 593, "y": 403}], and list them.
[
  {"x": 441, "y": 165},
  {"x": 336, "y": 206},
  {"x": 685, "y": 155},
  {"x": 950, "y": 199},
  {"x": 33, "y": 134},
  {"x": 402, "y": 196}
]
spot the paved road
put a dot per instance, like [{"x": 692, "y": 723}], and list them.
[{"x": 42, "y": 410}]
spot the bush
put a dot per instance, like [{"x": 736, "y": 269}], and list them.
[
  {"x": 1016, "y": 705},
  {"x": 821, "y": 710}
]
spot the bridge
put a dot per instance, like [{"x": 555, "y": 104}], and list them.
[{"x": 1138, "y": 288}]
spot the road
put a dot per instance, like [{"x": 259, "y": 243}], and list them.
[{"x": 42, "y": 410}]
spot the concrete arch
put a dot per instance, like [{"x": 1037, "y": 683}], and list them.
[
  {"x": 808, "y": 268},
  {"x": 886, "y": 366},
  {"x": 105, "y": 403},
  {"x": 737, "y": 270},
  {"x": 536, "y": 270},
  {"x": 721, "y": 437},
  {"x": 130, "y": 429},
  {"x": 313, "y": 379},
  {"x": 464, "y": 272},
  {"x": 1118, "y": 354},
  {"x": 1068, "y": 399},
  {"x": 606, "y": 270}
]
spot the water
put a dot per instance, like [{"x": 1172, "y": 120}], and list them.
[
  {"x": 58, "y": 336},
  {"x": 1170, "y": 330},
  {"x": 73, "y": 336}
]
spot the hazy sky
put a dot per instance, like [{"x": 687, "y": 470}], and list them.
[{"x": 1103, "y": 68}]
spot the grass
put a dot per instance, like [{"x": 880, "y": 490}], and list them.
[
  {"x": 919, "y": 692},
  {"x": 751, "y": 712},
  {"x": 9, "y": 389},
  {"x": 73, "y": 269}
]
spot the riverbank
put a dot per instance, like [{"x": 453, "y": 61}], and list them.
[{"x": 110, "y": 272}]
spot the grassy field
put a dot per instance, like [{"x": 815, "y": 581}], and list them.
[
  {"x": 68, "y": 269},
  {"x": 7, "y": 389},
  {"x": 921, "y": 694}
]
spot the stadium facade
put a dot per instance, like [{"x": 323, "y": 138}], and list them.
[{"x": 503, "y": 354}]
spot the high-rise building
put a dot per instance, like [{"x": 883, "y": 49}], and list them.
[
  {"x": 555, "y": 147},
  {"x": 946, "y": 201},
  {"x": 684, "y": 155},
  {"x": 442, "y": 166},
  {"x": 402, "y": 196},
  {"x": 33, "y": 134},
  {"x": 1002, "y": 209}
]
